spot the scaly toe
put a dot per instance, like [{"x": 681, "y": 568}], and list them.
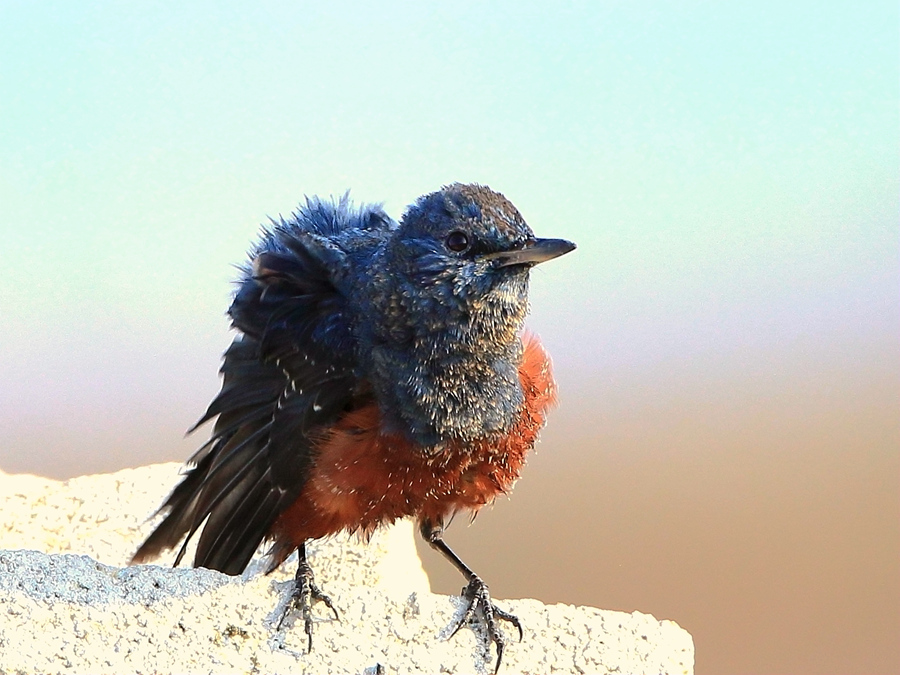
[
  {"x": 476, "y": 592},
  {"x": 303, "y": 595}
]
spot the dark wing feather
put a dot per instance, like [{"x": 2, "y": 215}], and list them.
[{"x": 291, "y": 372}]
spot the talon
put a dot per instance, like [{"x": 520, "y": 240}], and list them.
[
  {"x": 303, "y": 595},
  {"x": 476, "y": 592},
  {"x": 512, "y": 618}
]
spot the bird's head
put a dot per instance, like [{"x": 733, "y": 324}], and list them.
[
  {"x": 468, "y": 248},
  {"x": 450, "y": 293}
]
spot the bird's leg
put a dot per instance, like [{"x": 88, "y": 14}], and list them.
[
  {"x": 304, "y": 594},
  {"x": 476, "y": 592}
]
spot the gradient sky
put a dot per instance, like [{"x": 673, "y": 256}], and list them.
[
  {"x": 737, "y": 162},
  {"x": 729, "y": 172}
]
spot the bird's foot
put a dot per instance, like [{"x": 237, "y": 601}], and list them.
[
  {"x": 304, "y": 593},
  {"x": 479, "y": 599}
]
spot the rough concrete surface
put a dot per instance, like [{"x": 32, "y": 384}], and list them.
[{"x": 63, "y": 611}]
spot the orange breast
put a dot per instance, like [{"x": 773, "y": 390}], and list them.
[{"x": 363, "y": 478}]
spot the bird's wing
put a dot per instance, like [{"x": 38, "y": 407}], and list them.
[{"x": 290, "y": 372}]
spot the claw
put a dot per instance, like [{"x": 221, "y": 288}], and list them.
[
  {"x": 304, "y": 593},
  {"x": 476, "y": 592}
]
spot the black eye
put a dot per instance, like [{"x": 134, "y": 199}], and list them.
[{"x": 457, "y": 241}]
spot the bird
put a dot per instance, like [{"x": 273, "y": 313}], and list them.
[{"x": 380, "y": 370}]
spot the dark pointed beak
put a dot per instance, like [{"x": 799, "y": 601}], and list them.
[{"x": 535, "y": 251}]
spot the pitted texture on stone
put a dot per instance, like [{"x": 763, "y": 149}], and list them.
[{"x": 71, "y": 614}]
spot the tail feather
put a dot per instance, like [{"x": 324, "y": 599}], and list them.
[{"x": 233, "y": 532}]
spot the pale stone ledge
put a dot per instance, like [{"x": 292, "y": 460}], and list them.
[{"x": 69, "y": 613}]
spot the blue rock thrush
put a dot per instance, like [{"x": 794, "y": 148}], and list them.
[{"x": 380, "y": 372}]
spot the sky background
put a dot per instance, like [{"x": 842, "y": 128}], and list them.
[{"x": 727, "y": 450}]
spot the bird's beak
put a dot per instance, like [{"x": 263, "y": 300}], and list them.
[{"x": 535, "y": 251}]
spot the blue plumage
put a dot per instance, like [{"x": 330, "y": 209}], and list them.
[{"x": 341, "y": 309}]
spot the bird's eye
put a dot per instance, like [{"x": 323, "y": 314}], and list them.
[{"x": 457, "y": 241}]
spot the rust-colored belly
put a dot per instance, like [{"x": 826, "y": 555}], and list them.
[{"x": 363, "y": 478}]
